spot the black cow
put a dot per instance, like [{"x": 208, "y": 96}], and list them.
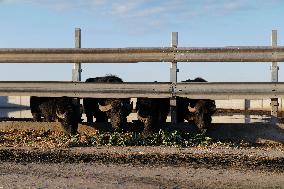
[
  {"x": 152, "y": 113},
  {"x": 117, "y": 109},
  {"x": 197, "y": 110},
  {"x": 56, "y": 109}
]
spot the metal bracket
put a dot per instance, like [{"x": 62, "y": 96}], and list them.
[
  {"x": 274, "y": 102},
  {"x": 173, "y": 89},
  {"x": 274, "y": 67}
]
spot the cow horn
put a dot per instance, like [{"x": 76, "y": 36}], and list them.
[
  {"x": 192, "y": 110},
  {"x": 60, "y": 116},
  {"x": 105, "y": 108}
]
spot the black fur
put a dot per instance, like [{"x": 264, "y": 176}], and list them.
[
  {"x": 153, "y": 113},
  {"x": 121, "y": 107},
  {"x": 56, "y": 108},
  {"x": 205, "y": 108}
]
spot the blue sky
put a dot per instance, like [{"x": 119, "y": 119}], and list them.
[{"x": 140, "y": 23}]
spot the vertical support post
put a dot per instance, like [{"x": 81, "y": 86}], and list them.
[
  {"x": 274, "y": 78},
  {"x": 76, "y": 72},
  {"x": 173, "y": 79},
  {"x": 247, "y": 107}
]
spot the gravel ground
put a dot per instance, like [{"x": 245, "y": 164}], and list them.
[
  {"x": 94, "y": 175},
  {"x": 142, "y": 167},
  {"x": 38, "y": 159}
]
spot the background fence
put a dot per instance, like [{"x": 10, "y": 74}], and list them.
[{"x": 173, "y": 54}]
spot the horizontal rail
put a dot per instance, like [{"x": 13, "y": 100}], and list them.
[
  {"x": 82, "y": 89},
  {"x": 210, "y": 90},
  {"x": 129, "y": 55},
  {"x": 231, "y": 90}
]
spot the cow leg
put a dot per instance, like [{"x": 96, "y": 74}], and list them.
[
  {"x": 89, "y": 118},
  {"x": 180, "y": 117},
  {"x": 114, "y": 123},
  {"x": 101, "y": 117},
  {"x": 207, "y": 121},
  {"x": 182, "y": 109},
  {"x": 69, "y": 122},
  {"x": 74, "y": 129},
  {"x": 69, "y": 127},
  {"x": 118, "y": 122},
  {"x": 159, "y": 121},
  {"x": 36, "y": 116},
  {"x": 148, "y": 127}
]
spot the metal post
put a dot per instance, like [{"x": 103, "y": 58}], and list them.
[
  {"x": 274, "y": 78},
  {"x": 173, "y": 78},
  {"x": 76, "y": 72},
  {"x": 247, "y": 107}
]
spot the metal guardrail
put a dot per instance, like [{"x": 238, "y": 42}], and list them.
[
  {"x": 171, "y": 55},
  {"x": 210, "y": 90},
  {"x": 128, "y": 55},
  {"x": 231, "y": 90}
]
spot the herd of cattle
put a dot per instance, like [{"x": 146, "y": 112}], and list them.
[{"x": 152, "y": 112}]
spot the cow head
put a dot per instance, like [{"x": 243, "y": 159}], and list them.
[
  {"x": 62, "y": 107},
  {"x": 201, "y": 111},
  {"x": 117, "y": 110},
  {"x": 66, "y": 113}
]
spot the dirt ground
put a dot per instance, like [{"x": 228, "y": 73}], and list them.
[
  {"x": 142, "y": 167},
  {"x": 259, "y": 164},
  {"x": 95, "y": 175}
]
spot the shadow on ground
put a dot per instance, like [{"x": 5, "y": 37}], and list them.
[{"x": 225, "y": 132}]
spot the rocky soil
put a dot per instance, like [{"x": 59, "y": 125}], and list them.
[{"x": 38, "y": 155}]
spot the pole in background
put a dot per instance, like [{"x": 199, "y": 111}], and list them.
[
  {"x": 173, "y": 79},
  {"x": 274, "y": 78}
]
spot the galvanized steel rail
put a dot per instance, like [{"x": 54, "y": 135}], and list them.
[
  {"x": 210, "y": 90},
  {"x": 82, "y": 89},
  {"x": 129, "y": 55},
  {"x": 173, "y": 54}
]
